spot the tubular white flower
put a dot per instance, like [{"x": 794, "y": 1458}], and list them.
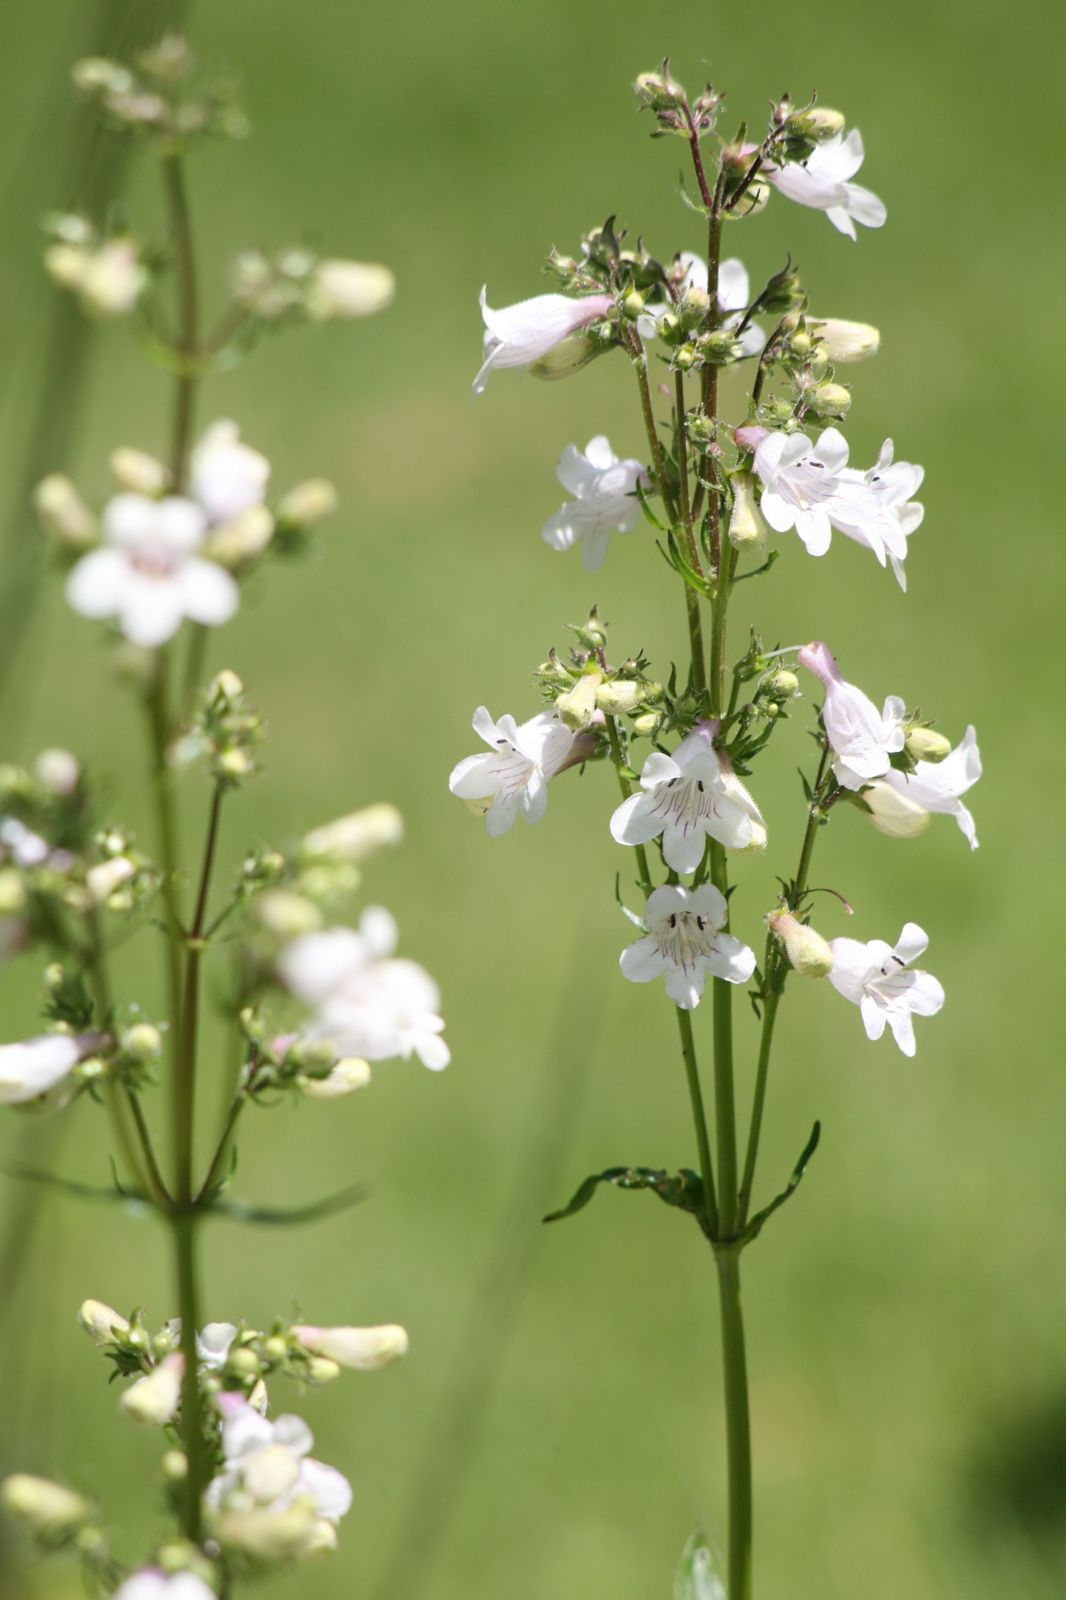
[
  {"x": 366, "y": 1003},
  {"x": 518, "y": 335},
  {"x": 862, "y": 739},
  {"x": 152, "y": 1583},
  {"x": 684, "y": 942},
  {"x": 154, "y": 1399},
  {"x": 360, "y": 1349},
  {"x": 228, "y": 477},
  {"x": 37, "y": 1065},
  {"x": 875, "y": 508},
  {"x": 799, "y": 482},
  {"x": 269, "y": 1466},
  {"x": 823, "y": 182},
  {"x": 882, "y": 983},
  {"x": 603, "y": 486},
  {"x": 349, "y": 289},
  {"x": 514, "y": 777},
  {"x": 147, "y": 573},
  {"x": 686, "y": 798},
  {"x": 933, "y": 786}
]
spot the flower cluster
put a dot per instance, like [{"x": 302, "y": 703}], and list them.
[{"x": 768, "y": 472}]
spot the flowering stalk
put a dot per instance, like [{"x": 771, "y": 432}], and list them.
[
  {"x": 316, "y": 1004},
  {"x": 721, "y": 487}
]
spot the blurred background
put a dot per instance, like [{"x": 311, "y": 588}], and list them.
[{"x": 557, "y": 1427}]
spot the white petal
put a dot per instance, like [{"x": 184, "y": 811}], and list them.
[
  {"x": 643, "y": 961},
  {"x": 685, "y": 986},
  {"x": 912, "y": 942},
  {"x": 209, "y": 594},
  {"x": 874, "y": 1016},
  {"x": 97, "y": 586},
  {"x": 732, "y": 960}
]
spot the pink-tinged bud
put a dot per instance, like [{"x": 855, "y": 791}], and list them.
[
  {"x": 361, "y": 1349},
  {"x": 808, "y": 953},
  {"x": 819, "y": 659},
  {"x": 751, "y": 436}
]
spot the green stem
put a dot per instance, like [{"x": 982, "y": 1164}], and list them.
[
  {"x": 184, "y": 1224},
  {"x": 725, "y": 1117},
  {"x": 188, "y": 313},
  {"x": 738, "y": 1425},
  {"x": 699, "y": 1116},
  {"x": 692, "y": 599}
]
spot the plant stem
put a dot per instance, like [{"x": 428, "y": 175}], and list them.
[
  {"x": 184, "y": 1224},
  {"x": 738, "y": 1425},
  {"x": 188, "y": 313},
  {"x": 692, "y": 599},
  {"x": 725, "y": 1117},
  {"x": 699, "y": 1116}
]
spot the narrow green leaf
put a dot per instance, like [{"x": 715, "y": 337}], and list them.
[
  {"x": 759, "y": 1221},
  {"x": 696, "y": 1578}
]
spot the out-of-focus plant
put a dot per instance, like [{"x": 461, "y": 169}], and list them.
[
  {"x": 312, "y": 1002},
  {"x": 710, "y": 490}
]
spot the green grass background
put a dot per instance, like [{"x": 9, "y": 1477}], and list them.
[{"x": 907, "y": 1311}]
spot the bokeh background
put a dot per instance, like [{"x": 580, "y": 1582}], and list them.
[{"x": 557, "y": 1428}]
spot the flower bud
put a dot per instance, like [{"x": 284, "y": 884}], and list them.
[
  {"x": 619, "y": 696},
  {"x": 845, "y": 341},
  {"x": 101, "y": 1322},
  {"x": 320, "y": 1369},
  {"x": 344, "y": 1077},
  {"x": 266, "y": 1535},
  {"x": 782, "y": 684},
  {"x": 63, "y": 512},
  {"x": 233, "y": 765},
  {"x": 577, "y": 704},
  {"x": 658, "y": 90},
  {"x": 808, "y": 953},
  {"x": 816, "y": 123},
  {"x": 103, "y": 880},
  {"x": 892, "y": 813},
  {"x": 243, "y": 1363},
  {"x": 751, "y": 202},
  {"x": 154, "y": 1399},
  {"x": 348, "y": 289},
  {"x": 142, "y": 1042},
  {"x": 648, "y": 725},
  {"x": 175, "y": 1466},
  {"x": 113, "y": 278},
  {"x": 359, "y": 1349},
  {"x": 44, "y": 1506},
  {"x": 57, "y": 771},
  {"x": 829, "y": 400},
  {"x": 242, "y": 539},
  {"x": 685, "y": 357},
  {"x": 355, "y": 836},
  {"x": 98, "y": 75},
  {"x": 693, "y": 308},
  {"x": 12, "y": 892},
  {"x": 632, "y": 305},
  {"x": 720, "y": 347},
  {"x": 139, "y": 472},
  {"x": 747, "y": 530},
  {"x": 567, "y": 357},
  {"x": 286, "y": 914},
  {"x": 925, "y": 744},
  {"x": 308, "y": 503}
]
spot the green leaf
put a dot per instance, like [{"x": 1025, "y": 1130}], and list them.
[
  {"x": 683, "y": 1190},
  {"x": 642, "y": 496},
  {"x": 696, "y": 1578},
  {"x": 136, "y": 1203},
  {"x": 759, "y": 1221},
  {"x": 286, "y": 1216}
]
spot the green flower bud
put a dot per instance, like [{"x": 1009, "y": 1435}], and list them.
[
  {"x": 320, "y": 1369},
  {"x": 12, "y": 892},
  {"x": 659, "y": 90},
  {"x": 142, "y": 1042},
  {"x": 576, "y": 705},
  {"x": 63, "y": 512},
  {"x": 243, "y": 1363},
  {"x": 175, "y": 1466},
  {"x": 808, "y": 953},
  {"x": 845, "y": 341},
  {"x": 618, "y": 697},
  {"x": 648, "y": 725},
  {"x": 720, "y": 347},
  {"x": 693, "y": 308},
  {"x": 685, "y": 357},
  {"x": 308, "y": 503},
  {"x": 747, "y": 530},
  {"x": 286, "y": 914},
  {"x": 633, "y": 305},
  {"x": 829, "y": 400},
  {"x": 139, "y": 472},
  {"x": 567, "y": 357},
  {"x": 925, "y": 744},
  {"x": 46, "y": 1507},
  {"x": 817, "y": 123},
  {"x": 103, "y": 1324},
  {"x": 782, "y": 684}
]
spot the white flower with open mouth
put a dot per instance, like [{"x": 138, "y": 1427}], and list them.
[
  {"x": 147, "y": 572},
  {"x": 877, "y": 508},
  {"x": 800, "y": 482},
  {"x": 882, "y": 983},
  {"x": 228, "y": 476},
  {"x": 518, "y": 335},
  {"x": 862, "y": 739},
  {"x": 823, "y": 182},
  {"x": 367, "y": 1003},
  {"x": 684, "y": 942},
  {"x": 514, "y": 777},
  {"x": 268, "y": 1466},
  {"x": 604, "y": 490},
  {"x": 30, "y": 1069},
  {"x": 688, "y": 799},
  {"x": 901, "y": 802}
]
